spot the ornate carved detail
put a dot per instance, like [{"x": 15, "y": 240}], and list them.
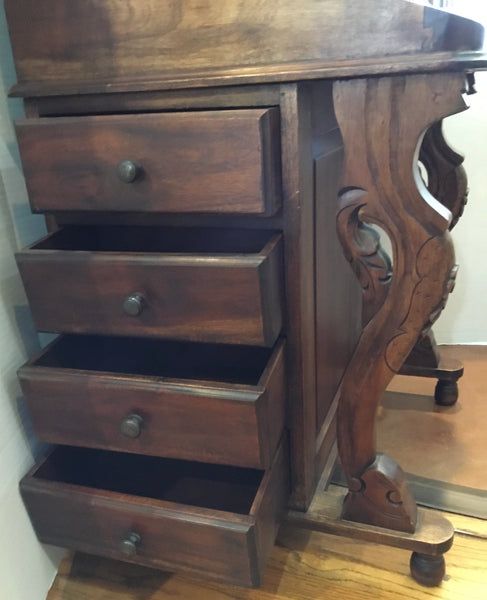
[
  {"x": 382, "y": 186},
  {"x": 368, "y": 259},
  {"x": 447, "y": 182},
  {"x": 382, "y": 490},
  {"x": 447, "y": 179}
]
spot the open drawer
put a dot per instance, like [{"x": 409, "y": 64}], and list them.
[
  {"x": 209, "y": 520},
  {"x": 205, "y": 285},
  {"x": 210, "y": 403}
]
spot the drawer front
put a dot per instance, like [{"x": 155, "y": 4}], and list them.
[
  {"x": 203, "y": 162},
  {"x": 228, "y": 423},
  {"x": 219, "y": 544},
  {"x": 221, "y": 299}
]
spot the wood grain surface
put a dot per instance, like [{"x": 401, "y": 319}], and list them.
[
  {"x": 82, "y": 41},
  {"x": 213, "y": 521},
  {"x": 232, "y": 413},
  {"x": 192, "y": 289},
  {"x": 200, "y": 162}
]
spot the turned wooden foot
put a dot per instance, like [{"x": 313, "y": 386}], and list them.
[
  {"x": 446, "y": 392},
  {"x": 425, "y": 361},
  {"x": 403, "y": 297},
  {"x": 427, "y": 570},
  {"x": 431, "y": 540}
]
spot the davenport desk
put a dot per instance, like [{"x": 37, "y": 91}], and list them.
[{"x": 195, "y": 161}]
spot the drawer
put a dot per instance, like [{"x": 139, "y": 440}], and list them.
[
  {"x": 225, "y": 161},
  {"x": 203, "y": 285},
  {"x": 210, "y": 403},
  {"x": 210, "y": 520}
]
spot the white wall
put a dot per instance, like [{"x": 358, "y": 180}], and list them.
[{"x": 26, "y": 567}]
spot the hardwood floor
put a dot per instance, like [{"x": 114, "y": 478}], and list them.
[{"x": 303, "y": 566}]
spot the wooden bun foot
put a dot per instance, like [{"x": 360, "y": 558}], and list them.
[
  {"x": 427, "y": 570},
  {"x": 446, "y": 392}
]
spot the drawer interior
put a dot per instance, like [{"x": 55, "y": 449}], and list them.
[
  {"x": 181, "y": 240},
  {"x": 157, "y": 358},
  {"x": 216, "y": 487}
]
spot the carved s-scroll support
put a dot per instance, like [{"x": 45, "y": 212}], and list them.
[
  {"x": 447, "y": 179},
  {"x": 382, "y": 121},
  {"x": 447, "y": 182}
]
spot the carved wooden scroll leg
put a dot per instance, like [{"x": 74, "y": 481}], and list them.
[
  {"x": 447, "y": 182},
  {"x": 447, "y": 179},
  {"x": 382, "y": 121}
]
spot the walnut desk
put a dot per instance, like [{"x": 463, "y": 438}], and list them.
[{"x": 195, "y": 161}]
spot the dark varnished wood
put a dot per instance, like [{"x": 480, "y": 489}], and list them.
[
  {"x": 92, "y": 67},
  {"x": 217, "y": 521},
  {"x": 315, "y": 131},
  {"x": 447, "y": 181},
  {"x": 417, "y": 226},
  {"x": 196, "y": 285},
  {"x": 207, "y": 162},
  {"x": 215, "y": 404},
  {"x": 226, "y": 97},
  {"x": 83, "y": 42},
  {"x": 311, "y": 70},
  {"x": 428, "y": 570},
  {"x": 338, "y": 293},
  {"x": 424, "y": 354},
  {"x": 433, "y": 536},
  {"x": 298, "y": 212}
]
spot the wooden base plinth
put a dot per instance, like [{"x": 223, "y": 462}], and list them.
[
  {"x": 432, "y": 538},
  {"x": 449, "y": 370}
]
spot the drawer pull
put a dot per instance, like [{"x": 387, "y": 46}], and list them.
[
  {"x": 131, "y": 426},
  {"x": 128, "y": 545},
  {"x": 128, "y": 171},
  {"x": 133, "y": 305}
]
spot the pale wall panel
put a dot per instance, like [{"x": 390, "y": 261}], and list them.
[{"x": 27, "y": 568}]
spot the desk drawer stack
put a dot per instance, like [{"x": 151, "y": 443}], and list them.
[
  {"x": 194, "y": 277},
  {"x": 169, "y": 347}
]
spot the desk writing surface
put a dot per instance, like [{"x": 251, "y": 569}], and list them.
[{"x": 79, "y": 45}]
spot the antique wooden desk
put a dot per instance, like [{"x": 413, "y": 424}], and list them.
[{"x": 195, "y": 160}]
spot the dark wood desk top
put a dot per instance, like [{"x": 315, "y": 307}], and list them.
[{"x": 81, "y": 46}]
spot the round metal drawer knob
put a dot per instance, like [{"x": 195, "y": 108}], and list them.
[
  {"x": 128, "y": 545},
  {"x": 133, "y": 305},
  {"x": 131, "y": 426},
  {"x": 128, "y": 171}
]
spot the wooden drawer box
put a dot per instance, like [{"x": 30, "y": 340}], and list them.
[
  {"x": 221, "y": 286},
  {"x": 218, "y": 404},
  {"x": 210, "y": 520},
  {"x": 205, "y": 162}
]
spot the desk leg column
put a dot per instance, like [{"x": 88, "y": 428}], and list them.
[{"x": 383, "y": 121}]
